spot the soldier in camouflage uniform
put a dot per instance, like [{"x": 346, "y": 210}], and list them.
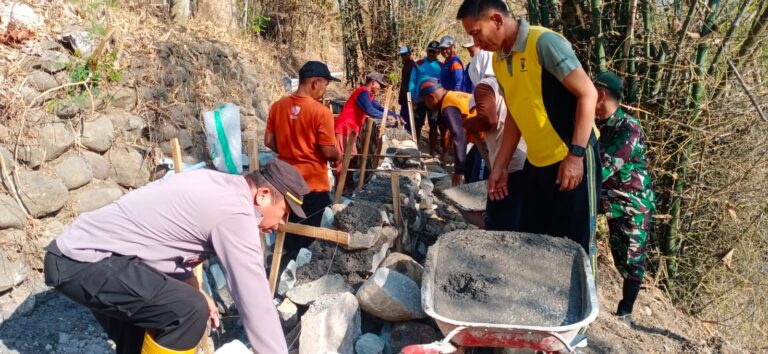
[{"x": 626, "y": 197}]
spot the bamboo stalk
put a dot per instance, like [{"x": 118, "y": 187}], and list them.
[
  {"x": 746, "y": 91},
  {"x": 597, "y": 33},
  {"x": 277, "y": 256},
  {"x": 395, "y": 183},
  {"x": 414, "y": 133},
  {"x": 728, "y": 36}
]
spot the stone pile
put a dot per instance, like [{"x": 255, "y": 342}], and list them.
[{"x": 366, "y": 298}]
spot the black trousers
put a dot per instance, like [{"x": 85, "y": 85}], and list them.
[
  {"x": 571, "y": 214},
  {"x": 504, "y": 215},
  {"x": 314, "y": 206},
  {"x": 128, "y": 297}
]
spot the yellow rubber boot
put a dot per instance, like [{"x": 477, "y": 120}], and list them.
[{"x": 151, "y": 347}]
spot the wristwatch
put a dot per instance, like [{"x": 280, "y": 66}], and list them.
[{"x": 577, "y": 151}]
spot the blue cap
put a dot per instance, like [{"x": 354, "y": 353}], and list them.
[{"x": 428, "y": 86}]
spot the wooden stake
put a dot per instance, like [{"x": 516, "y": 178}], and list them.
[
  {"x": 253, "y": 165},
  {"x": 178, "y": 165},
  {"x": 345, "y": 166},
  {"x": 414, "y": 133},
  {"x": 277, "y": 255},
  {"x": 383, "y": 125},
  {"x": 253, "y": 153},
  {"x": 396, "y": 203},
  {"x": 366, "y": 145}
]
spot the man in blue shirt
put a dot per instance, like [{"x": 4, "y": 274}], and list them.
[
  {"x": 425, "y": 68},
  {"x": 452, "y": 71}
]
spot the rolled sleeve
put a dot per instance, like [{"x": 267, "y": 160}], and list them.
[
  {"x": 556, "y": 55},
  {"x": 236, "y": 242}
]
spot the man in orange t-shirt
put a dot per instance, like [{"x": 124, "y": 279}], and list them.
[{"x": 300, "y": 129}]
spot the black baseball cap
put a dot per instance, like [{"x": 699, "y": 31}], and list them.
[
  {"x": 433, "y": 46},
  {"x": 316, "y": 69},
  {"x": 287, "y": 180},
  {"x": 611, "y": 82}
]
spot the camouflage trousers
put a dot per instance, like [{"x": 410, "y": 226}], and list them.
[{"x": 628, "y": 238}]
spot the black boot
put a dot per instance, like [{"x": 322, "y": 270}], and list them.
[{"x": 629, "y": 292}]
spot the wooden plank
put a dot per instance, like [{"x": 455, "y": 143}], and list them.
[
  {"x": 414, "y": 133},
  {"x": 320, "y": 233},
  {"x": 366, "y": 146},
  {"x": 277, "y": 255},
  {"x": 383, "y": 125},
  {"x": 423, "y": 172},
  {"x": 178, "y": 165},
  {"x": 395, "y": 182},
  {"x": 345, "y": 166}
]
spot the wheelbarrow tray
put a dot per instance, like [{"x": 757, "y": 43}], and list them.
[
  {"x": 544, "y": 338},
  {"x": 470, "y": 205}
]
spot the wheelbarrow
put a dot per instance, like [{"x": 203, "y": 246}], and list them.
[
  {"x": 470, "y": 200},
  {"x": 460, "y": 333}
]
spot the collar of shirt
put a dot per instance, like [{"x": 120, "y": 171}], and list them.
[
  {"x": 613, "y": 119},
  {"x": 523, "y": 29}
]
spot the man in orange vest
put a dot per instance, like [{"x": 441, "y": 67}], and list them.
[
  {"x": 353, "y": 116},
  {"x": 453, "y": 107}
]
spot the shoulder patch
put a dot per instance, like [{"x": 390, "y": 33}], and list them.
[{"x": 456, "y": 66}]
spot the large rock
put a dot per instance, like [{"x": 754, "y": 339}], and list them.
[
  {"x": 129, "y": 169},
  {"x": 42, "y": 194},
  {"x": 409, "y": 333},
  {"x": 94, "y": 196},
  {"x": 98, "y": 134},
  {"x": 369, "y": 343},
  {"x": 307, "y": 293},
  {"x": 127, "y": 125},
  {"x": 74, "y": 171},
  {"x": 289, "y": 315},
  {"x": 331, "y": 324},
  {"x": 404, "y": 265},
  {"x": 53, "y": 61},
  {"x": 391, "y": 296},
  {"x": 8, "y": 158},
  {"x": 46, "y": 233},
  {"x": 41, "y": 80},
  {"x": 124, "y": 98},
  {"x": 11, "y": 214},
  {"x": 99, "y": 164},
  {"x": 13, "y": 271},
  {"x": 67, "y": 110},
  {"x": 54, "y": 137}
]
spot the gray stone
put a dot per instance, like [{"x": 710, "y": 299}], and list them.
[
  {"x": 41, "y": 80},
  {"x": 409, "y": 333},
  {"x": 360, "y": 241},
  {"x": 29, "y": 95},
  {"x": 307, "y": 293},
  {"x": 11, "y": 214},
  {"x": 13, "y": 271},
  {"x": 8, "y": 158},
  {"x": 94, "y": 196},
  {"x": 404, "y": 265},
  {"x": 391, "y": 296},
  {"x": 369, "y": 343},
  {"x": 53, "y": 61},
  {"x": 99, "y": 165},
  {"x": 42, "y": 194},
  {"x": 289, "y": 314},
  {"x": 74, "y": 171},
  {"x": 51, "y": 229},
  {"x": 124, "y": 98},
  {"x": 27, "y": 306},
  {"x": 331, "y": 324},
  {"x": 66, "y": 110},
  {"x": 54, "y": 137},
  {"x": 129, "y": 168},
  {"x": 98, "y": 134},
  {"x": 127, "y": 125}
]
